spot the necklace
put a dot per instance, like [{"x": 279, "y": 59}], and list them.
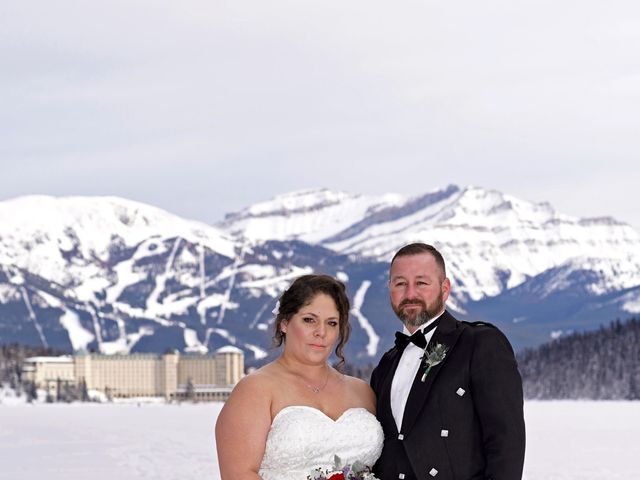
[{"x": 313, "y": 388}]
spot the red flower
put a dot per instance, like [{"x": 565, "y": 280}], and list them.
[{"x": 337, "y": 476}]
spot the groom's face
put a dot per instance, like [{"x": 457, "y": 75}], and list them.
[{"x": 418, "y": 289}]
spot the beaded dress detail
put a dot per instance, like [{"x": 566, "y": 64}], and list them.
[{"x": 303, "y": 438}]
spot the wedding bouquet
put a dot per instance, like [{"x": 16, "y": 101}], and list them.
[{"x": 340, "y": 471}]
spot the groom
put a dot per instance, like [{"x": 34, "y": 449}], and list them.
[{"x": 456, "y": 412}]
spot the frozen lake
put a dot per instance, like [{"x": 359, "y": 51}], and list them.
[{"x": 565, "y": 441}]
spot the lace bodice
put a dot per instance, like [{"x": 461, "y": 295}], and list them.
[{"x": 303, "y": 438}]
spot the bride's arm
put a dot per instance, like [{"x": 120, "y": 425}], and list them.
[{"x": 242, "y": 428}]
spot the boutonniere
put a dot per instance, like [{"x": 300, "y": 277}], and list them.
[{"x": 433, "y": 357}]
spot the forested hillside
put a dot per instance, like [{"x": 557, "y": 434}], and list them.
[{"x": 601, "y": 365}]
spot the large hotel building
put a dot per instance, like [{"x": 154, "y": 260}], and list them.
[{"x": 173, "y": 376}]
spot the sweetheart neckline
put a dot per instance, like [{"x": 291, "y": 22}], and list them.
[{"x": 320, "y": 412}]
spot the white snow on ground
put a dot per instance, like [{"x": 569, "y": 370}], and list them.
[
  {"x": 566, "y": 440},
  {"x": 358, "y": 300},
  {"x": 108, "y": 442}
]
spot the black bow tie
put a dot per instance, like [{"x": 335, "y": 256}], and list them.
[{"x": 418, "y": 337}]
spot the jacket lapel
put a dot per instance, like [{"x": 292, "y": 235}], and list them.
[
  {"x": 384, "y": 402},
  {"x": 447, "y": 334}
]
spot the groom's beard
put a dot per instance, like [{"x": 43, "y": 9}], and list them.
[{"x": 413, "y": 318}]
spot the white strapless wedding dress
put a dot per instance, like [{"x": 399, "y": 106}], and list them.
[{"x": 303, "y": 438}]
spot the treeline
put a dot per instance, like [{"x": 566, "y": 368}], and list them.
[
  {"x": 599, "y": 365},
  {"x": 12, "y": 358}
]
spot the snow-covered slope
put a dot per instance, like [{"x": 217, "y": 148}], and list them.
[
  {"x": 309, "y": 215},
  {"x": 79, "y": 254},
  {"x": 119, "y": 276},
  {"x": 41, "y": 233},
  {"x": 491, "y": 241}
]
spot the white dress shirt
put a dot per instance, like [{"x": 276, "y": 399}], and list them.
[{"x": 406, "y": 372}]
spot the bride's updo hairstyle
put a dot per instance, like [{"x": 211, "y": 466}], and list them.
[{"x": 302, "y": 292}]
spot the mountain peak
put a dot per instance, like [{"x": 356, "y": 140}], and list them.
[
  {"x": 38, "y": 231},
  {"x": 123, "y": 276},
  {"x": 308, "y": 215}
]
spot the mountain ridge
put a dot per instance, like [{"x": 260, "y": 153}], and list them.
[{"x": 115, "y": 275}]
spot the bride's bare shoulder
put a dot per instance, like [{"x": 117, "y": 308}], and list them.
[
  {"x": 356, "y": 383},
  {"x": 361, "y": 391},
  {"x": 260, "y": 381}
]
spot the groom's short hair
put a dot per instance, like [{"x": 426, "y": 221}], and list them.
[{"x": 417, "y": 248}]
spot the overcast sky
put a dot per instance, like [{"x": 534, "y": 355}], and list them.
[{"x": 205, "y": 107}]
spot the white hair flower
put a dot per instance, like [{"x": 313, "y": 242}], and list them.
[{"x": 276, "y": 309}]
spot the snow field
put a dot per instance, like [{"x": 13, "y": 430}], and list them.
[{"x": 566, "y": 440}]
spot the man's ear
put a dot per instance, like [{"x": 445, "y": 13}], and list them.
[{"x": 446, "y": 289}]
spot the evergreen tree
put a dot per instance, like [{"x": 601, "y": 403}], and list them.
[
  {"x": 84, "y": 393},
  {"x": 601, "y": 364},
  {"x": 190, "y": 391},
  {"x": 32, "y": 392}
]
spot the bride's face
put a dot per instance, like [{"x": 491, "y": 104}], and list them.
[{"x": 313, "y": 330}]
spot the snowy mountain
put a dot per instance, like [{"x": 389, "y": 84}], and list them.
[
  {"x": 492, "y": 242},
  {"x": 118, "y": 276},
  {"x": 83, "y": 257},
  {"x": 310, "y": 215}
]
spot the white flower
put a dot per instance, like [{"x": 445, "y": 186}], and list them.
[{"x": 276, "y": 309}]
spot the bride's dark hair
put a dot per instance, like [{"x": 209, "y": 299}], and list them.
[{"x": 301, "y": 293}]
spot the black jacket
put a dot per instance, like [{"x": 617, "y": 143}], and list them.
[{"x": 466, "y": 420}]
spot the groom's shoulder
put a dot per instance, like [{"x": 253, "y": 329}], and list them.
[
  {"x": 487, "y": 333},
  {"x": 481, "y": 328}
]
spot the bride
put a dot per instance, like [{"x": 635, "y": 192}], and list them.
[{"x": 296, "y": 413}]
